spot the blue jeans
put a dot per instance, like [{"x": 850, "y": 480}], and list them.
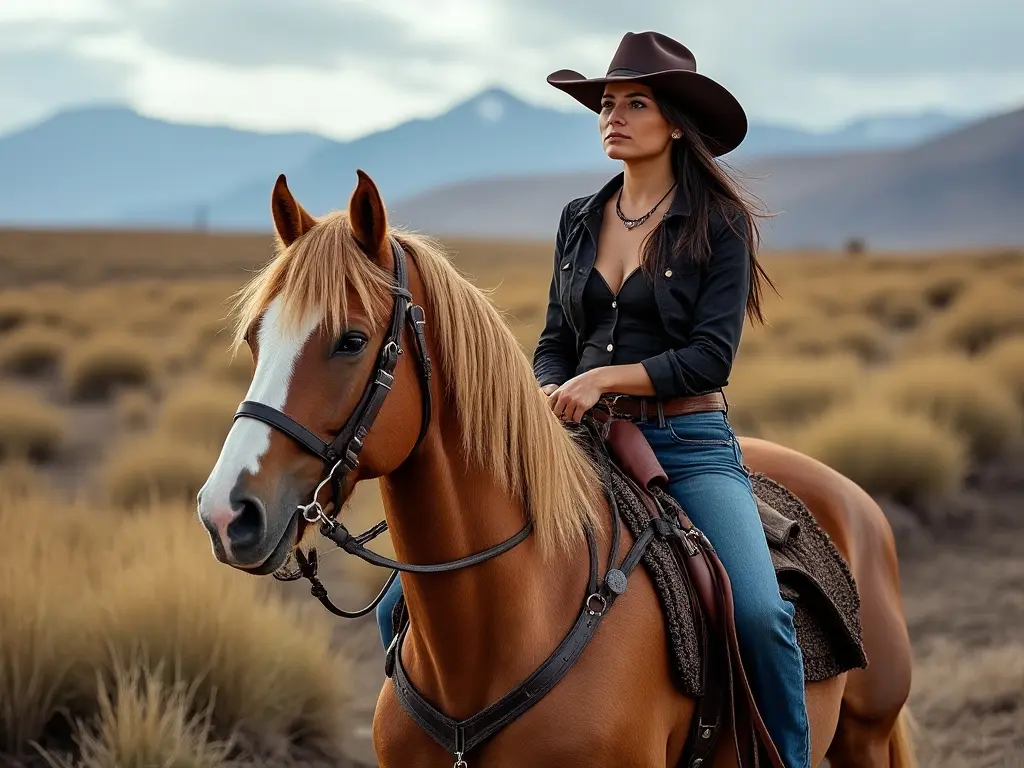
[{"x": 704, "y": 464}]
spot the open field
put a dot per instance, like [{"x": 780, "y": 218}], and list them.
[{"x": 123, "y": 642}]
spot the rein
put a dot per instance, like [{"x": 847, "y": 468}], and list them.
[{"x": 342, "y": 454}]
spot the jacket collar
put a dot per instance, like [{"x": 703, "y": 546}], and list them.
[{"x": 594, "y": 206}]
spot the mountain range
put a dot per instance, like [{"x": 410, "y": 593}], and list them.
[
  {"x": 494, "y": 165},
  {"x": 964, "y": 188}
]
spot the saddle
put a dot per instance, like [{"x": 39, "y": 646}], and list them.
[
  {"x": 695, "y": 593},
  {"x": 828, "y": 627}
]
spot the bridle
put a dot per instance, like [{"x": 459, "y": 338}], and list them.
[{"x": 342, "y": 453}]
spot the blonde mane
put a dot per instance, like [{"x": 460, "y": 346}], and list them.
[{"x": 505, "y": 424}]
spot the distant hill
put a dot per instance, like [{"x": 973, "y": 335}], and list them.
[
  {"x": 964, "y": 188},
  {"x": 91, "y": 166},
  {"x": 108, "y": 166}
]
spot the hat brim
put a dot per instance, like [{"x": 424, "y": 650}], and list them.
[{"x": 717, "y": 113}]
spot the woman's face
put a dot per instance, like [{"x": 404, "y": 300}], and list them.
[{"x": 632, "y": 126}]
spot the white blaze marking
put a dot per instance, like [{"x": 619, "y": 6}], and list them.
[{"x": 249, "y": 439}]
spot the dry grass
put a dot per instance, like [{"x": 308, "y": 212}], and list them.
[
  {"x": 988, "y": 310},
  {"x": 94, "y": 370},
  {"x": 30, "y": 428},
  {"x": 855, "y": 334},
  {"x": 199, "y": 413},
  {"x": 150, "y": 649},
  {"x": 142, "y": 721},
  {"x": 949, "y": 389},
  {"x": 144, "y": 471},
  {"x": 904, "y": 455},
  {"x": 32, "y": 350},
  {"x": 1005, "y": 359},
  {"x": 958, "y": 686},
  {"x": 135, "y": 409},
  {"x": 179, "y": 661},
  {"x": 770, "y": 391}
]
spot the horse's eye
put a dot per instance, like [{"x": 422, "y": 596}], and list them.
[{"x": 352, "y": 343}]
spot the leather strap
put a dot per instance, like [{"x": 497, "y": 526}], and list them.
[
  {"x": 340, "y": 535},
  {"x": 461, "y": 736}
]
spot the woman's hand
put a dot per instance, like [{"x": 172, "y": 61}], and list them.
[
  {"x": 576, "y": 396},
  {"x": 547, "y": 389}
]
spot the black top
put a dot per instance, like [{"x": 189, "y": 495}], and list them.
[
  {"x": 701, "y": 308},
  {"x": 620, "y": 329}
]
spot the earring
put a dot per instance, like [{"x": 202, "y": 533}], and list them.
[{"x": 676, "y": 135}]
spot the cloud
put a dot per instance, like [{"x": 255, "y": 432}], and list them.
[
  {"x": 266, "y": 34},
  {"x": 44, "y": 67},
  {"x": 345, "y": 67}
]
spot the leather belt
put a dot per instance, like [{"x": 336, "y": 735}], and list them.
[{"x": 643, "y": 409}]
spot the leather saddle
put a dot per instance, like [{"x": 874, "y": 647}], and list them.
[{"x": 726, "y": 689}]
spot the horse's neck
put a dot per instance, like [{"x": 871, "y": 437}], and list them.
[{"x": 474, "y": 632}]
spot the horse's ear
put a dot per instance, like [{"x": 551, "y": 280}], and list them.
[
  {"x": 368, "y": 217},
  {"x": 290, "y": 219}
]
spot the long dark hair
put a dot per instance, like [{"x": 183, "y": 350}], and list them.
[{"x": 710, "y": 191}]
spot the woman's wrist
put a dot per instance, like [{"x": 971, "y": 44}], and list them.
[{"x": 623, "y": 380}]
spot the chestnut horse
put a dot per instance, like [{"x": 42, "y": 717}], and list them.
[{"x": 465, "y": 458}]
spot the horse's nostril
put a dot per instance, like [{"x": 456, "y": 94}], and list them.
[{"x": 246, "y": 530}]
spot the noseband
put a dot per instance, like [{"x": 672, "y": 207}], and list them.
[{"x": 342, "y": 453}]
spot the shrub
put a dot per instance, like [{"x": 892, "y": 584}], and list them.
[
  {"x": 942, "y": 289},
  {"x": 904, "y": 455},
  {"x": 148, "y": 471},
  {"x": 140, "y": 720},
  {"x": 1005, "y": 359},
  {"x": 854, "y": 334},
  {"x": 951, "y": 390},
  {"x": 14, "y": 312},
  {"x": 788, "y": 390},
  {"x": 30, "y": 428},
  {"x": 148, "y": 652},
  {"x": 31, "y": 350},
  {"x": 899, "y": 306},
  {"x": 95, "y": 369},
  {"x": 199, "y": 413},
  {"x": 987, "y": 312}
]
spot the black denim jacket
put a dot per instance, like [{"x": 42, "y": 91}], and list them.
[{"x": 702, "y": 307}]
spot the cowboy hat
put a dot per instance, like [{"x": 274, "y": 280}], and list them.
[{"x": 670, "y": 68}]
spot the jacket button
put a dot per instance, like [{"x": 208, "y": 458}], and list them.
[
  {"x": 610, "y": 347},
  {"x": 668, "y": 273}
]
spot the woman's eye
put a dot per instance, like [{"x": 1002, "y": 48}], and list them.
[{"x": 351, "y": 343}]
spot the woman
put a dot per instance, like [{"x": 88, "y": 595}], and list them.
[{"x": 652, "y": 278}]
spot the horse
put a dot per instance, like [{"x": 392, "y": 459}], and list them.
[{"x": 375, "y": 357}]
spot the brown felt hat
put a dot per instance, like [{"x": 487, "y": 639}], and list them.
[{"x": 670, "y": 68}]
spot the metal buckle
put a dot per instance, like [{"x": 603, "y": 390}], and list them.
[{"x": 601, "y": 599}]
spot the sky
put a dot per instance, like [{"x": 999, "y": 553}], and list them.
[{"x": 344, "y": 68}]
